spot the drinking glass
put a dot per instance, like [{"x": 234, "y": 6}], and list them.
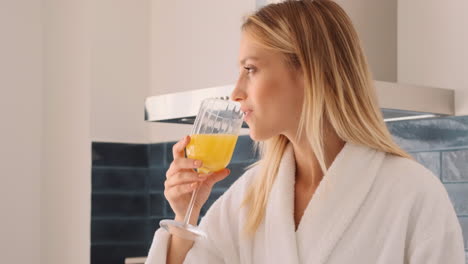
[{"x": 212, "y": 140}]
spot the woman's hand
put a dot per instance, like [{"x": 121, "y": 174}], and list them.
[{"x": 182, "y": 180}]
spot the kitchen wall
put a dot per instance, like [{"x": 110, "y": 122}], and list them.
[
  {"x": 44, "y": 196},
  {"x": 21, "y": 104},
  {"x": 65, "y": 157}
]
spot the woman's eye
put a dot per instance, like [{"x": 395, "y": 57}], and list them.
[{"x": 249, "y": 69}]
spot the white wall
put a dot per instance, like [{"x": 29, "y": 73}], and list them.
[
  {"x": 376, "y": 23},
  {"x": 433, "y": 46},
  {"x": 77, "y": 71},
  {"x": 194, "y": 44},
  {"x": 120, "y": 38},
  {"x": 66, "y": 155},
  {"x": 21, "y": 129},
  {"x": 96, "y": 80}
]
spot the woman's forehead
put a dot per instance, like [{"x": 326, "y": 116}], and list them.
[
  {"x": 253, "y": 52},
  {"x": 250, "y": 49}
]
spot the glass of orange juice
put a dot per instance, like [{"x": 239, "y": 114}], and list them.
[{"x": 213, "y": 138}]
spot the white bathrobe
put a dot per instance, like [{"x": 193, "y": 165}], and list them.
[{"x": 370, "y": 207}]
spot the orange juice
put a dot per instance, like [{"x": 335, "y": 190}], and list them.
[{"x": 214, "y": 150}]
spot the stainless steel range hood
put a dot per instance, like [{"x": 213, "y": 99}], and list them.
[{"x": 397, "y": 102}]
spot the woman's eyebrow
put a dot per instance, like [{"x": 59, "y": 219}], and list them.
[{"x": 249, "y": 58}]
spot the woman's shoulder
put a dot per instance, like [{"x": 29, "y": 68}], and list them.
[
  {"x": 408, "y": 177},
  {"x": 408, "y": 184}
]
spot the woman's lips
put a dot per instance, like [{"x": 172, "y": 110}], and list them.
[{"x": 247, "y": 115}]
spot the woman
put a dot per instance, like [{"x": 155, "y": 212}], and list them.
[{"x": 331, "y": 185}]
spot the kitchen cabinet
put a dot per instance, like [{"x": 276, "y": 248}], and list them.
[{"x": 433, "y": 46}]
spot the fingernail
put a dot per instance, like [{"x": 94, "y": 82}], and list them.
[
  {"x": 193, "y": 185},
  {"x": 197, "y": 163}
]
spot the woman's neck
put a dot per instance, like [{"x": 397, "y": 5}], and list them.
[{"x": 308, "y": 171}]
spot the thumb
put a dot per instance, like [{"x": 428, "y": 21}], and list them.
[{"x": 217, "y": 176}]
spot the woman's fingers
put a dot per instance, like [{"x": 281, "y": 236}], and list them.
[
  {"x": 182, "y": 164},
  {"x": 179, "y": 190},
  {"x": 217, "y": 176},
  {"x": 185, "y": 176},
  {"x": 179, "y": 147}
]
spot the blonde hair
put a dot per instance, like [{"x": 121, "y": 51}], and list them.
[{"x": 317, "y": 38}]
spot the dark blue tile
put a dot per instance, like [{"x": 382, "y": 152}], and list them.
[
  {"x": 430, "y": 134},
  {"x": 455, "y": 166},
  {"x": 430, "y": 160},
  {"x": 464, "y": 227},
  {"x": 112, "y": 205},
  {"x": 119, "y": 230},
  {"x": 157, "y": 203},
  {"x": 211, "y": 199},
  {"x": 237, "y": 169},
  {"x": 244, "y": 150},
  {"x": 153, "y": 225},
  {"x": 119, "y": 179},
  {"x": 157, "y": 177},
  {"x": 458, "y": 194},
  {"x": 118, "y": 154},
  {"x": 169, "y": 157},
  {"x": 115, "y": 254},
  {"x": 168, "y": 213},
  {"x": 157, "y": 155}
]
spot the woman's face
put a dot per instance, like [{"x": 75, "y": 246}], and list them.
[{"x": 269, "y": 90}]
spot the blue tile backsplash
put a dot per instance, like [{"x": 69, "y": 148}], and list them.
[
  {"x": 128, "y": 195},
  {"x": 455, "y": 166},
  {"x": 128, "y": 182}
]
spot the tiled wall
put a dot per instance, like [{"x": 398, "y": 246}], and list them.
[
  {"x": 128, "y": 200},
  {"x": 120, "y": 207},
  {"x": 128, "y": 182}
]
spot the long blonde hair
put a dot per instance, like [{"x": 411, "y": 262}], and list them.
[{"x": 318, "y": 38}]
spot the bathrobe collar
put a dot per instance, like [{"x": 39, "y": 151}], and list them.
[{"x": 331, "y": 209}]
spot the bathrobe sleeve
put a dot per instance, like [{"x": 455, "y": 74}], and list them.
[
  {"x": 158, "y": 251},
  {"x": 220, "y": 223},
  {"x": 436, "y": 235},
  {"x": 204, "y": 250}
]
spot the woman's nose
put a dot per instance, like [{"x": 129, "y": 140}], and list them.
[{"x": 238, "y": 93}]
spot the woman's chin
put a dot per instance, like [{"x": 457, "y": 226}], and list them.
[{"x": 255, "y": 136}]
